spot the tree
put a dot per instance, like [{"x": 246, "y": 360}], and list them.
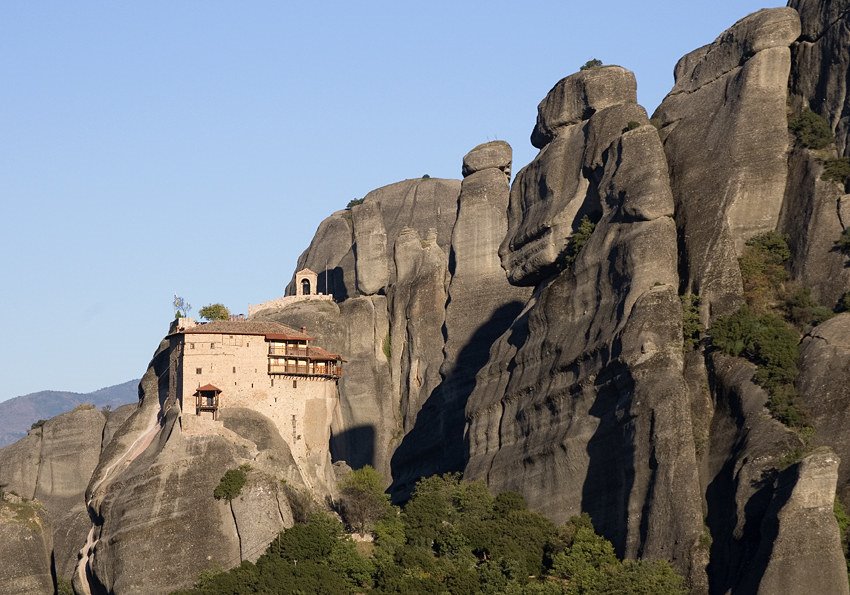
[
  {"x": 181, "y": 307},
  {"x": 592, "y": 63},
  {"x": 362, "y": 499},
  {"x": 214, "y": 312},
  {"x": 230, "y": 485}
]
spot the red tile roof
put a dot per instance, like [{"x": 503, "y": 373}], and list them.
[
  {"x": 265, "y": 328},
  {"x": 207, "y": 388}
]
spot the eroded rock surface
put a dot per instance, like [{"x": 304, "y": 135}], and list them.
[
  {"x": 25, "y": 549},
  {"x": 53, "y": 465},
  {"x": 728, "y": 186},
  {"x": 582, "y": 405}
]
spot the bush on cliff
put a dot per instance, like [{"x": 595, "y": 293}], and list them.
[
  {"x": 362, "y": 499},
  {"x": 836, "y": 170},
  {"x": 214, "y": 312},
  {"x": 812, "y": 131},
  {"x": 230, "y": 485}
]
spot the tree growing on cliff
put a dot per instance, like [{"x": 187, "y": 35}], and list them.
[
  {"x": 362, "y": 499},
  {"x": 214, "y": 312}
]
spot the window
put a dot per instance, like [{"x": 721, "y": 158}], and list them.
[
  {"x": 198, "y": 370},
  {"x": 212, "y": 345},
  {"x": 191, "y": 345},
  {"x": 272, "y": 382},
  {"x": 294, "y": 384},
  {"x": 234, "y": 369}
]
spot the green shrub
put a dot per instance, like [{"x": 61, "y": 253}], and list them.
[
  {"x": 426, "y": 177},
  {"x": 579, "y": 238},
  {"x": 215, "y": 312},
  {"x": 691, "y": 324},
  {"x": 354, "y": 202},
  {"x": 836, "y": 170},
  {"x": 842, "y": 244},
  {"x": 38, "y": 424},
  {"x": 769, "y": 342},
  {"x": 811, "y": 130},
  {"x": 230, "y": 485},
  {"x": 763, "y": 270},
  {"x": 843, "y": 520},
  {"x": 803, "y": 311},
  {"x": 362, "y": 499},
  {"x": 592, "y": 63},
  {"x": 631, "y": 126}
]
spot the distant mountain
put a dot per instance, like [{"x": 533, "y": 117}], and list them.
[{"x": 17, "y": 415}]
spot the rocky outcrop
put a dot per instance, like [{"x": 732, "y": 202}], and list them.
[
  {"x": 355, "y": 246},
  {"x": 821, "y": 72},
  {"x": 815, "y": 211},
  {"x": 53, "y": 465},
  {"x": 729, "y": 186},
  {"x": 824, "y": 386},
  {"x": 801, "y": 551},
  {"x": 26, "y": 547},
  {"x": 582, "y": 405}
]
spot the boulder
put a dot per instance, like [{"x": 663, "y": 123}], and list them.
[
  {"x": 491, "y": 155},
  {"x": 579, "y": 96}
]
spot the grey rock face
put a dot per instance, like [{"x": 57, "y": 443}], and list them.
[
  {"x": 356, "y": 246},
  {"x": 548, "y": 197},
  {"x": 805, "y": 553},
  {"x": 496, "y": 154},
  {"x": 812, "y": 221},
  {"x": 577, "y": 97},
  {"x": 53, "y": 465},
  {"x": 821, "y": 71},
  {"x": 729, "y": 186},
  {"x": 824, "y": 386},
  {"x": 26, "y": 548},
  {"x": 582, "y": 405},
  {"x": 815, "y": 212}
]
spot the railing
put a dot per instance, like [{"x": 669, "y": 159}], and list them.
[
  {"x": 305, "y": 370},
  {"x": 296, "y": 351}
]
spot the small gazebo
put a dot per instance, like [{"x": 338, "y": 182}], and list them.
[{"x": 206, "y": 399}]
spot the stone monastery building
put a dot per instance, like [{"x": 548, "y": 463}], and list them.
[{"x": 260, "y": 365}]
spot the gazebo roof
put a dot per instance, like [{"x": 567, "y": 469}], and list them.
[{"x": 207, "y": 388}]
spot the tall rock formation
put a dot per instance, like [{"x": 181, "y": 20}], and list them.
[
  {"x": 582, "y": 406},
  {"x": 817, "y": 211},
  {"x": 729, "y": 186}
]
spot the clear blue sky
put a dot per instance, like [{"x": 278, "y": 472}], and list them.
[{"x": 192, "y": 147}]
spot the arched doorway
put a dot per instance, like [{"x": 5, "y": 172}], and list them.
[{"x": 305, "y": 287}]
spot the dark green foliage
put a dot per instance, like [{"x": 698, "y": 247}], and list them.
[
  {"x": 38, "y": 424},
  {"x": 579, "y": 238},
  {"x": 763, "y": 270},
  {"x": 771, "y": 344},
  {"x": 842, "y": 244},
  {"x": 631, "y": 126},
  {"x": 836, "y": 170},
  {"x": 426, "y": 177},
  {"x": 453, "y": 537},
  {"x": 354, "y": 202},
  {"x": 230, "y": 485},
  {"x": 843, "y": 520},
  {"x": 802, "y": 310},
  {"x": 215, "y": 312},
  {"x": 592, "y": 63},
  {"x": 812, "y": 131},
  {"x": 362, "y": 499},
  {"x": 691, "y": 324}
]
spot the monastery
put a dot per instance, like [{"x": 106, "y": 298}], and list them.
[{"x": 260, "y": 365}]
